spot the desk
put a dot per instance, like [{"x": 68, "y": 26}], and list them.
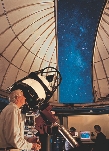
[
  {"x": 88, "y": 142},
  {"x": 87, "y": 146}
]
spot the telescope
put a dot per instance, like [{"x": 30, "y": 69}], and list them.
[{"x": 38, "y": 87}]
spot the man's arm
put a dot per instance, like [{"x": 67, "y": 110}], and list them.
[{"x": 13, "y": 131}]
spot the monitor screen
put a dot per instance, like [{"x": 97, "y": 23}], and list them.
[{"x": 85, "y": 136}]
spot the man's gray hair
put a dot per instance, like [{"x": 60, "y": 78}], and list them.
[{"x": 14, "y": 94}]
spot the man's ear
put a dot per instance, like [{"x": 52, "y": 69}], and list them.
[{"x": 16, "y": 96}]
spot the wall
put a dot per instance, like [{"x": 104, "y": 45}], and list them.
[{"x": 87, "y": 122}]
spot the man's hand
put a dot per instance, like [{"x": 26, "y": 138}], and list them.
[
  {"x": 36, "y": 143},
  {"x": 32, "y": 139},
  {"x": 36, "y": 146}
]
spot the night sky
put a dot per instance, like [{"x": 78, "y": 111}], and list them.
[{"x": 77, "y": 22}]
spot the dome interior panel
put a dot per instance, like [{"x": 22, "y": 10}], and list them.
[
  {"x": 1, "y": 9},
  {"x": 34, "y": 49},
  {"x": 20, "y": 55},
  {"x": 12, "y": 49},
  {"x": 8, "y": 82},
  {"x": 104, "y": 22},
  {"x": 105, "y": 37},
  {"x": 94, "y": 74},
  {"x": 51, "y": 64},
  {"x": 36, "y": 64},
  {"x": 50, "y": 52},
  {"x": 28, "y": 27},
  {"x": 53, "y": 58},
  {"x": 104, "y": 88},
  {"x": 106, "y": 65},
  {"x": 4, "y": 25},
  {"x": 105, "y": 17},
  {"x": 10, "y": 5},
  {"x": 27, "y": 62},
  {"x": 100, "y": 70},
  {"x": 96, "y": 53},
  {"x": 21, "y": 74},
  {"x": 43, "y": 64},
  {"x": 26, "y": 34},
  {"x": 6, "y": 39},
  {"x": 3, "y": 68},
  {"x": 21, "y": 13},
  {"x": 103, "y": 53}
]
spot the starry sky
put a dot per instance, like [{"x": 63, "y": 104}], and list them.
[{"x": 77, "y": 22}]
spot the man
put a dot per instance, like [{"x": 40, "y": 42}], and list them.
[
  {"x": 11, "y": 133},
  {"x": 68, "y": 147},
  {"x": 100, "y": 142}
]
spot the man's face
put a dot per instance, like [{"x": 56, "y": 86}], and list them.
[
  {"x": 95, "y": 130},
  {"x": 72, "y": 133},
  {"x": 21, "y": 100}
]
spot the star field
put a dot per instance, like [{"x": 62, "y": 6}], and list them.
[{"x": 77, "y": 22}]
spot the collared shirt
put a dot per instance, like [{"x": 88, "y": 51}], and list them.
[{"x": 11, "y": 128}]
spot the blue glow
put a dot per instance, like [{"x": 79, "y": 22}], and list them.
[{"x": 77, "y": 21}]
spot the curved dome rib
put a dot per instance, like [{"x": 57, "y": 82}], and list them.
[
  {"x": 27, "y": 38},
  {"x": 101, "y": 59}
]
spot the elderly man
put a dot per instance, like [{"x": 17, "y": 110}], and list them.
[{"x": 11, "y": 136}]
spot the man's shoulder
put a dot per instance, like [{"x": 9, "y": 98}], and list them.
[
  {"x": 10, "y": 108},
  {"x": 101, "y": 136}
]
